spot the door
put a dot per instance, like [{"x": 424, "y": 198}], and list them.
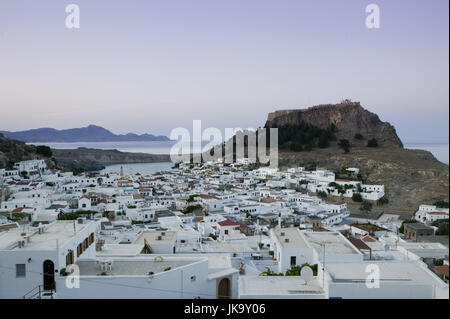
[
  {"x": 49, "y": 275},
  {"x": 224, "y": 289}
]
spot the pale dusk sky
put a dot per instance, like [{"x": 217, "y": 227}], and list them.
[{"x": 151, "y": 66}]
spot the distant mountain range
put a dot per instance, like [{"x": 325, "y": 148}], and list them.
[{"x": 91, "y": 133}]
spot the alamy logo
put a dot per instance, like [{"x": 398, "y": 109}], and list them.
[
  {"x": 73, "y": 17},
  {"x": 373, "y": 278},
  {"x": 373, "y": 19},
  {"x": 238, "y": 144},
  {"x": 73, "y": 279}
]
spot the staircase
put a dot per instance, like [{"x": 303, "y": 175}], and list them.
[{"x": 40, "y": 293}]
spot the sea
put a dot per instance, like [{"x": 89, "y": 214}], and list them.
[{"x": 439, "y": 150}]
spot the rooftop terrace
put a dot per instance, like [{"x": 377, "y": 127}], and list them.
[
  {"x": 334, "y": 242},
  {"x": 293, "y": 236},
  {"x": 55, "y": 234},
  {"x": 136, "y": 267}
]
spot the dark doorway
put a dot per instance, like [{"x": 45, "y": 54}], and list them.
[
  {"x": 49, "y": 275},
  {"x": 293, "y": 260},
  {"x": 224, "y": 289}
]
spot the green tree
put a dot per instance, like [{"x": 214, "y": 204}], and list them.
[
  {"x": 357, "y": 197},
  {"x": 44, "y": 151},
  {"x": 443, "y": 227},
  {"x": 323, "y": 140},
  {"x": 372, "y": 143},
  {"x": 191, "y": 208},
  {"x": 441, "y": 204},
  {"x": 382, "y": 201},
  {"x": 191, "y": 198},
  {"x": 366, "y": 206},
  {"x": 296, "y": 147},
  {"x": 322, "y": 194},
  {"x": 345, "y": 145}
]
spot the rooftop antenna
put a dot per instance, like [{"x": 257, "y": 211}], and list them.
[{"x": 323, "y": 269}]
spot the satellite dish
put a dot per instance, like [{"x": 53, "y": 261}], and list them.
[{"x": 306, "y": 274}]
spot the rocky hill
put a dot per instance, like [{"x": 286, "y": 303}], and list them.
[
  {"x": 349, "y": 118},
  {"x": 14, "y": 151},
  {"x": 411, "y": 177}
]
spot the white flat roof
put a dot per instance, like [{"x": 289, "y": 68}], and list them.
[
  {"x": 391, "y": 271},
  {"x": 277, "y": 285},
  {"x": 294, "y": 235},
  {"x": 334, "y": 242},
  {"x": 137, "y": 267},
  {"x": 151, "y": 236},
  {"x": 120, "y": 250},
  {"x": 59, "y": 231}
]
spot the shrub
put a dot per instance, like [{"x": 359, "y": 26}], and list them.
[
  {"x": 441, "y": 204},
  {"x": 438, "y": 262},
  {"x": 357, "y": 197},
  {"x": 372, "y": 143},
  {"x": 303, "y": 136},
  {"x": 345, "y": 145},
  {"x": 19, "y": 216},
  {"x": 359, "y": 136},
  {"x": 295, "y": 270},
  {"x": 322, "y": 194},
  {"x": 269, "y": 272},
  {"x": 44, "y": 151},
  {"x": 192, "y": 208},
  {"x": 191, "y": 198},
  {"x": 70, "y": 216},
  {"x": 213, "y": 236},
  {"x": 366, "y": 206},
  {"x": 443, "y": 227}
]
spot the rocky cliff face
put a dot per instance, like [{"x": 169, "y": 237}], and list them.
[
  {"x": 14, "y": 151},
  {"x": 349, "y": 118}
]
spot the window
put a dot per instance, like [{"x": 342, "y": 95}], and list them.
[
  {"x": 20, "y": 270},
  {"x": 293, "y": 260}
]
